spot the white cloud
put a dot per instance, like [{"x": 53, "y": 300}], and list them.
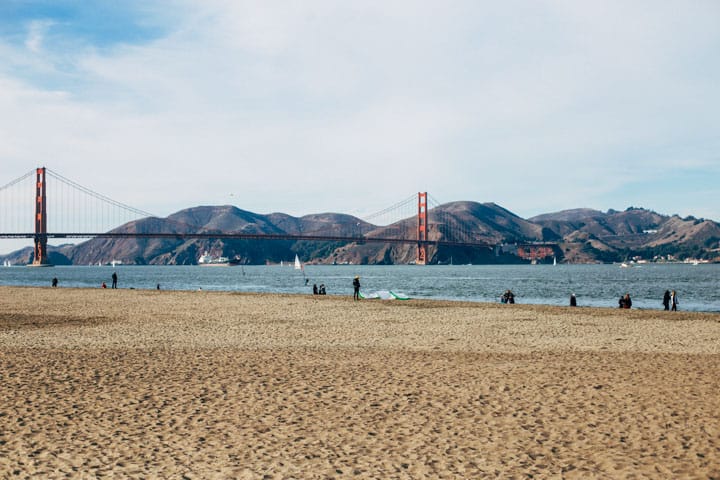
[
  {"x": 36, "y": 35},
  {"x": 319, "y": 106}
]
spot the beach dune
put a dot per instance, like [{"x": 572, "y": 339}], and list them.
[{"x": 148, "y": 384}]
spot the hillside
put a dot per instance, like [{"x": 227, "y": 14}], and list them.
[
  {"x": 591, "y": 236},
  {"x": 581, "y": 236}
]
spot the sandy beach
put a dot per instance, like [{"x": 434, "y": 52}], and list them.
[{"x": 159, "y": 384}]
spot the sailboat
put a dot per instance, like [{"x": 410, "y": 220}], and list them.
[
  {"x": 298, "y": 265},
  {"x": 554, "y": 261}
]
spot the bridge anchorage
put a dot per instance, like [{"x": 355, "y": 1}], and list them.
[{"x": 74, "y": 211}]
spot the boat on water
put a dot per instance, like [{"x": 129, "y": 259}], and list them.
[
  {"x": 298, "y": 265},
  {"x": 7, "y": 263},
  {"x": 209, "y": 260}
]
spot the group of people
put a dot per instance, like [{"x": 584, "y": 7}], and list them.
[
  {"x": 114, "y": 279},
  {"x": 508, "y": 297},
  {"x": 114, "y": 282},
  {"x": 670, "y": 300},
  {"x": 320, "y": 290},
  {"x": 625, "y": 301}
]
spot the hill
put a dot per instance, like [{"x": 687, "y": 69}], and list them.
[{"x": 581, "y": 235}]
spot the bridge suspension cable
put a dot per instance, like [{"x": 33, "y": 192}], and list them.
[
  {"x": 99, "y": 196},
  {"x": 71, "y": 207},
  {"x": 75, "y": 211},
  {"x": 392, "y": 210}
]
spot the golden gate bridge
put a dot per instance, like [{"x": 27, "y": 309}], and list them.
[{"x": 29, "y": 209}]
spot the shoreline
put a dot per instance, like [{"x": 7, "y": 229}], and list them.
[
  {"x": 452, "y": 301},
  {"x": 595, "y": 286}
]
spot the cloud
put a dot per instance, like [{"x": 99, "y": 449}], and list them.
[
  {"x": 319, "y": 105},
  {"x": 36, "y": 35}
]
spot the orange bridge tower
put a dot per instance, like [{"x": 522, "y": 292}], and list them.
[
  {"x": 422, "y": 225},
  {"x": 40, "y": 258}
]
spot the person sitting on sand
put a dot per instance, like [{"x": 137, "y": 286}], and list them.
[
  {"x": 508, "y": 297},
  {"x": 321, "y": 291},
  {"x": 625, "y": 301}
]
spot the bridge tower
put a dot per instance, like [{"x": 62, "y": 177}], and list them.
[
  {"x": 422, "y": 225},
  {"x": 40, "y": 258}
]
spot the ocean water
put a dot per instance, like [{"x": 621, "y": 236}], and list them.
[{"x": 697, "y": 286}]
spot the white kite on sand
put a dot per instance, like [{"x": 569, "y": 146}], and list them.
[{"x": 384, "y": 295}]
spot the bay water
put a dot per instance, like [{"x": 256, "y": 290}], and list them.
[{"x": 697, "y": 286}]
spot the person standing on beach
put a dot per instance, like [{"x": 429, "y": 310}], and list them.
[
  {"x": 114, "y": 280},
  {"x": 573, "y": 300},
  {"x": 674, "y": 301},
  {"x": 54, "y": 282},
  {"x": 666, "y": 300},
  {"x": 356, "y": 288}
]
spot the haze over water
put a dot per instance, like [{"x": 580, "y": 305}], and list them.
[{"x": 594, "y": 285}]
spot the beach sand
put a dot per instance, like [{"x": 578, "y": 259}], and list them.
[{"x": 161, "y": 384}]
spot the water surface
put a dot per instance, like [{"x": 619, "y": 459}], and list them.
[{"x": 594, "y": 285}]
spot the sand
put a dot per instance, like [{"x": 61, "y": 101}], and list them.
[{"x": 147, "y": 384}]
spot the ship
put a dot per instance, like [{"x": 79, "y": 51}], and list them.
[{"x": 209, "y": 260}]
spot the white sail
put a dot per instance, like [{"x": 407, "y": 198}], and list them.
[{"x": 298, "y": 266}]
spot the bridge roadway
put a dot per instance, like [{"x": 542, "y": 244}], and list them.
[{"x": 263, "y": 236}]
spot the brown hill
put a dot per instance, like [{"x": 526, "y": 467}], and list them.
[
  {"x": 582, "y": 235},
  {"x": 589, "y": 235}
]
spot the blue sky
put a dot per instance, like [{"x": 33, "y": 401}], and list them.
[{"x": 317, "y": 106}]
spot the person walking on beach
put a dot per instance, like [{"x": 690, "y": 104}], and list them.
[
  {"x": 666, "y": 300},
  {"x": 356, "y": 288},
  {"x": 114, "y": 280},
  {"x": 674, "y": 301},
  {"x": 54, "y": 282}
]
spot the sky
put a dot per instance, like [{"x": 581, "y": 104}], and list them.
[{"x": 327, "y": 106}]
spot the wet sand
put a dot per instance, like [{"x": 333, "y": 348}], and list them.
[{"x": 147, "y": 384}]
